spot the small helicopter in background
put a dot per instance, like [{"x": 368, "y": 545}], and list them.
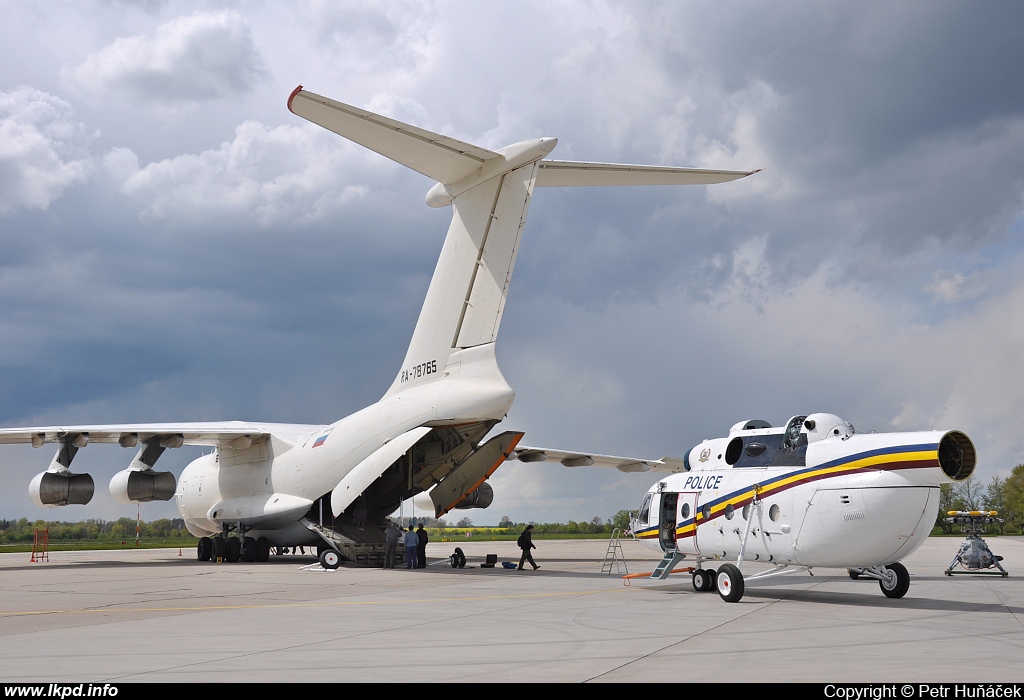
[{"x": 974, "y": 554}]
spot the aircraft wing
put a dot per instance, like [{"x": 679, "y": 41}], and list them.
[
  {"x": 565, "y": 173},
  {"x": 225, "y": 434},
  {"x": 590, "y": 459}
]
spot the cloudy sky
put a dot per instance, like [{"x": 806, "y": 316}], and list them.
[{"x": 177, "y": 246}]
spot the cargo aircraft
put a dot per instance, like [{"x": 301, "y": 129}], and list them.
[
  {"x": 270, "y": 485},
  {"x": 814, "y": 493}
]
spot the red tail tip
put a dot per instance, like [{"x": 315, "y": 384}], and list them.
[{"x": 292, "y": 97}]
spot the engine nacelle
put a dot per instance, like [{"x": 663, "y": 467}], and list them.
[
  {"x": 957, "y": 456},
  {"x": 481, "y": 498},
  {"x": 53, "y": 489},
  {"x": 142, "y": 486}
]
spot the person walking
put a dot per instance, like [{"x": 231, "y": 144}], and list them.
[
  {"x": 526, "y": 544},
  {"x": 421, "y": 547},
  {"x": 391, "y": 537},
  {"x": 411, "y": 541}
]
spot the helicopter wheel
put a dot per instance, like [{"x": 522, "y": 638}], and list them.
[
  {"x": 730, "y": 583},
  {"x": 896, "y": 581}
]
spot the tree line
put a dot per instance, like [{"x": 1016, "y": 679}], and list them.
[{"x": 23, "y": 530}]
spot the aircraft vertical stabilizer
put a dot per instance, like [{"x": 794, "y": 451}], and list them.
[{"x": 467, "y": 293}]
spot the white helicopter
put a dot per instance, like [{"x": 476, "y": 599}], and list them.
[
  {"x": 332, "y": 485},
  {"x": 813, "y": 493}
]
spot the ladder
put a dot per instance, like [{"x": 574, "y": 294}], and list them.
[
  {"x": 672, "y": 557},
  {"x": 41, "y": 546},
  {"x": 614, "y": 557}
]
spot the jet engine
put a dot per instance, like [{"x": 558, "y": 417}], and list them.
[
  {"x": 51, "y": 489},
  {"x": 957, "y": 456},
  {"x": 481, "y": 498},
  {"x": 139, "y": 483},
  {"x": 142, "y": 486},
  {"x": 57, "y": 486}
]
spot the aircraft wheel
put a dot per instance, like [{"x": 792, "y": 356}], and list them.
[
  {"x": 205, "y": 549},
  {"x": 854, "y": 574},
  {"x": 262, "y": 549},
  {"x": 702, "y": 580},
  {"x": 730, "y": 583},
  {"x": 249, "y": 549},
  {"x": 233, "y": 548},
  {"x": 896, "y": 581},
  {"x": 220, "y": 548},
  {"x": 712, "y": 580},
  {"x": 330, "y": 559}
]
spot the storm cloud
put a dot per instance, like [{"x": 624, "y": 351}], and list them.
[{"x": 178, "y": 246}]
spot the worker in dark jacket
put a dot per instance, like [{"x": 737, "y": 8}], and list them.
[
  {"x": 421, "y": 547},
  {"x": 526, "y": 544}
]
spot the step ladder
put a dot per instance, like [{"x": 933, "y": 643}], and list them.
[
  {"x": 41, "y": 546},
  {"x": 614, "y": 558},
  {"x": 672, "y": 557}
]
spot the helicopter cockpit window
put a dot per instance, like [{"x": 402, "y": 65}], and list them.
[
  {"x": 645, "y": 510},
  {"x": 793, "y": 451},
  {"x": 793, "y": 431}
]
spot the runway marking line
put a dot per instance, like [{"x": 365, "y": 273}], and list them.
[{"x": 4, "y": 613}]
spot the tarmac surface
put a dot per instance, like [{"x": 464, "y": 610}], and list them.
[{"x": 152, "y": 615}]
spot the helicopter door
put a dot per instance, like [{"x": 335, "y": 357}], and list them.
[
  {"x": 667, "y": 520},
  {"x": 688, "y": 521}
]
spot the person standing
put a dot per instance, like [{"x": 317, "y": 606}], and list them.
[
  {"x": 359, "y": 513},
  {"x": 411, "y": 542},
  {"x": 391, "y": 537},
  {"x": 526, "y": 544},
  {"x": 421, "y": 547}
]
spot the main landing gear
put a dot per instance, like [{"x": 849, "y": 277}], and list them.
[
  {"x": 730, "y": 583},
  {"x": 232, "y": 549}
]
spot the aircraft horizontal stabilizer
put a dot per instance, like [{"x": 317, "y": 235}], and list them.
[
  {"x": 441, "y": 158},
  {"x": 564, "y": 173},
  {"x": 588, "y": 459}
]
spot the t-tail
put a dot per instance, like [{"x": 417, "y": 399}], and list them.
[{"x": 489, "y": 192}]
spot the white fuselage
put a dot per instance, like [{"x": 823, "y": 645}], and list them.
[
  {"x": 840, "y": 500},
  {"x": 270, "y": 485}
]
